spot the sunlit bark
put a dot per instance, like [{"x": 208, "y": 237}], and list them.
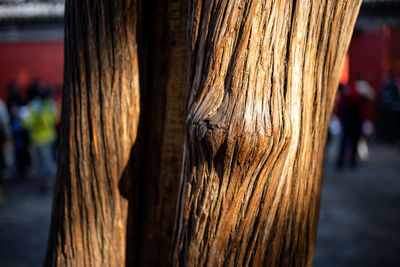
[
  {"x": 262, "y": 79},
  {"x": 100, "y": 117},
  {"x": 262, "y": 75}
]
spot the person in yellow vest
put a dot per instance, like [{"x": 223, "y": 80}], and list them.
[{"x": 39, "y": 117}]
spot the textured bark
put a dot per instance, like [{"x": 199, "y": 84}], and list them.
[
  {"x": 158, "y": 149},
  {"x": 100, "y": 117},
  {"x": 262, "y": 79}
]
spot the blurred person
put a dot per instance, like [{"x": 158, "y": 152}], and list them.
[
  {"x": 57, "y": 98},
  {"x": 390, "y": 90},
  {"x": 367, "y": 97},
  {"x": 19, "y": 133},
  {"x": 14, "y": 99},
  {"x": 349, "y": 113},
  {"x": 388, "y": 119},
  {"x": 354, "y": 113},
  {"x": 39, "y": 117},
  {"x": 4, "y": 135}
]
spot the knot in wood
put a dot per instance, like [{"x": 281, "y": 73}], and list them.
[
  {"x": 209, "y": 134},
  {"x": 221, "y": 145}
]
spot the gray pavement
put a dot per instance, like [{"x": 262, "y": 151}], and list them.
[
  {"x": 359, "y": 220},
  {"x": 24, "y": 224}
]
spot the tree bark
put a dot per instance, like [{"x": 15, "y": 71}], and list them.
[
  {"x": 158, "y": 149},
  {"x": 262, "y": 80},
  {"x": 99, "y": 121}
]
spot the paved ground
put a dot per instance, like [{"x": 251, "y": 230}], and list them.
[
  {"x": 359, "y": 222},
  {"x": 24, "y": 224},
  {"x": 360, "y": 212}
]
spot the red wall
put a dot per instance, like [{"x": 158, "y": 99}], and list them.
[
  {"x": 374, "y": 53},
  {"x": 367, "y": 56},
  {"x": 394, "y": 52},
  {"x": 27, "y": 61}
]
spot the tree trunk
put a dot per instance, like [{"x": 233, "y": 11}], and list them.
[
  {"x": 101, "y": 87},
  {"x": 100, "y": 117},
  {"x": 158, "y": 149},
  {"x": 262, "y": 80}
]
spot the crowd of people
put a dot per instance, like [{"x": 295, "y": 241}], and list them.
[{"x": 31, "y": 125}]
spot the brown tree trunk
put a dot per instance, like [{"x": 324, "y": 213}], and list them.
[
  {"x": 262, "y": 79},
  {"x": 158, "y": 149},
  {"x": 101, "y": 87},
  {"x": 100, "y": 117},
  {"x": 262, "y": 76}
]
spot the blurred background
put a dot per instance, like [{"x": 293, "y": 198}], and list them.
[
  {"x": 31, "y": 78},
  {"x": 359, "y": 219}
]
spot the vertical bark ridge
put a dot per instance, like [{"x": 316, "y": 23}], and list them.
[
  {"x": 100, "y": 117},
  {"x": 262, "y": 79},
  {"x": 163, "y": 90}
]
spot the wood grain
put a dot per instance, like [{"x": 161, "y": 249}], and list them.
[
  {"x": 99, "y": 122},
  {"x": 262, "y": 79},
  {"x": 158, "y": 150},
  {"x": 262, "y": 75}
]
